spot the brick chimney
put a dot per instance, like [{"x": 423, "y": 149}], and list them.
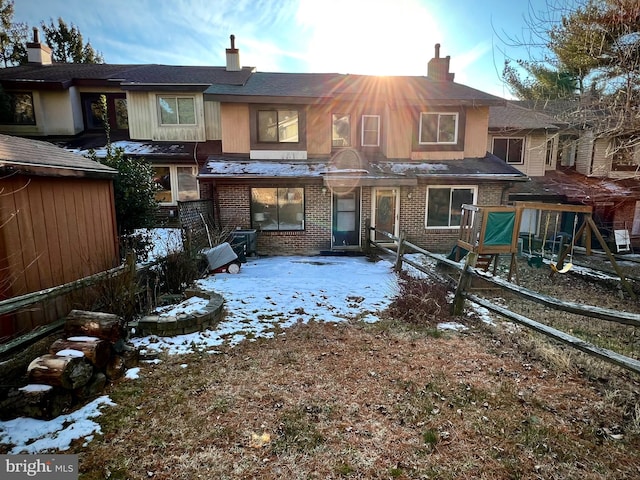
[
  {"x": 438, "y": 68},
  {"x": 38, "y": 52},
  {"x": 233, "y": 56}
]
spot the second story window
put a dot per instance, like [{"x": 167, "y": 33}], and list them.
[
  {"x": 20, "y": 111},
  {"x": 277, "y": 126},
  {"x": 177, "y": 110},
  {"x": 370, "y": 131},
  {"x": 509, "y": 149},
  {"x": 94, "y": 116},
  {"x": 340, "y": 130},
  {"x": 438, "y": 128}
]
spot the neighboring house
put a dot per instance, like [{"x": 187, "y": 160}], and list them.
[
  {"x": 590, "y": 168},
  {"x": 57, "y": 225},
  {"x": 523, "y": 138},
  {"x": 307, "y": 160},
  {"x": 155, "y": 111}
]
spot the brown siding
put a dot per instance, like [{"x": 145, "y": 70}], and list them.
[
  {"x": 235, "y": 128},
  {"x": 318, "y": 131},
  {"x": 477, "y": 124},
  {"x": 54, "y": 231}
]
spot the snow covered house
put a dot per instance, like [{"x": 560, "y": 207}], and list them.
[{"x": 308, "y": 161}]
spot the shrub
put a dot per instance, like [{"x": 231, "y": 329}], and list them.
[{"x": 420, "y": 302}]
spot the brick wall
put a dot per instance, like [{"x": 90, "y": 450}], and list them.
[
  {"x": 235, "y": 201},
  {"x": 412, "y": 217},
  {"x": 235, "y": 213}
]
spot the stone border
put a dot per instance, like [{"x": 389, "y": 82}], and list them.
[{"x": 183, "y": 323}]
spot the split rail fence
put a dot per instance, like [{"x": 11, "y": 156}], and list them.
[
  {"x": 398, "y": 247},
  {"x": 17, "y": 303}
]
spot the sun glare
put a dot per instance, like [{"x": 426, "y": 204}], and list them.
[{"x": 372, "y": 37}]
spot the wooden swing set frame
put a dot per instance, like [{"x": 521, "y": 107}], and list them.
[{"x": 474, "y": 222}]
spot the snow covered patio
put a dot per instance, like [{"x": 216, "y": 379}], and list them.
[{"x": 270, "y": 294}]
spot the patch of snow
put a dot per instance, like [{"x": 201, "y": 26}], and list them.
[
  {"x": 270, "y": 294},
  {"x": 190, "y": 305},
  {"x": 35, "y": 387},
  {"x": 70, "y": 352},
  {"x": 132, "y": 373},
  {"x": 455, "y": 326},
  {"x": 29, "y": 435},
  {"x": 83, "y": 339}
]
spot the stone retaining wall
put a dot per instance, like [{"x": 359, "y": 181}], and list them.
[{"x": 168, "y": 326}]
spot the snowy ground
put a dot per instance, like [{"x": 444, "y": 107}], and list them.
[
  {"x": 267, "y": 296},
  {"x": 270, "y": 294}
]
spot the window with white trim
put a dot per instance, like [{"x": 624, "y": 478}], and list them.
[
  {"x": 444, "y": 205},
  {"x": 370, "y": 131},
  {"x": 176, "y": 183},
  {"x": 438, "y": 128},
  {"x": 177, "y": 110},
  {"x": 509, "y": 149}
]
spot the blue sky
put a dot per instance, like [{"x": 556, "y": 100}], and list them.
[{"x": 377, "y": 37}]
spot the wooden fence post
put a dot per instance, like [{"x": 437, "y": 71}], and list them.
[
  {"x": 463, "y": 284},
  {"x": 398, "y": 265}
]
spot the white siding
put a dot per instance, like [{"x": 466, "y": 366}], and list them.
[
  {"x": 144, "y": 123},
  {"x": 213, "y": 121},
  {"x": 535, "y": 151},
  {"x": 141, "y": 121},
  {"x": 584, "y": 153},
  {"x": 601, "y": 165}
]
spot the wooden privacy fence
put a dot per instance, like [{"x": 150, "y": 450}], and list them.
[{"x": 401, "y": 246}]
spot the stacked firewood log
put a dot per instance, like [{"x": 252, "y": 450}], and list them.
[{"x": 78, "y": 366}]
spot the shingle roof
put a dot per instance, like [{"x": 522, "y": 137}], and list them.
[
  {"x": 512, "y": 116},
  {"x": 36, "y": 156},
  {"x": 401, "y": 89},
  {"x": 489, "y": 168},
  {"x": 63, "y": 75},
  {"x": 573, "y": 187}
]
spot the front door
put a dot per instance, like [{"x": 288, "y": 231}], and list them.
[
  {"x": 346, "y": 220},
  {"x": 385, "y": 212}
]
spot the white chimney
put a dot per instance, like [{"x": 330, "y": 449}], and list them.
[
  {"x": 38, "y": 52},
  {"x": 233, "y": 57}
]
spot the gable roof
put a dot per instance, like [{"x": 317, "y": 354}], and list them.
[
  {"x": 36, "y": 157},
  {"x": 307, "y": 87},
  {"x": 61, "y": 76},
  {"x": 512, "y": 116}
]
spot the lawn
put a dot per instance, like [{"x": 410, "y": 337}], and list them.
[{"x": 312, "y": 375}]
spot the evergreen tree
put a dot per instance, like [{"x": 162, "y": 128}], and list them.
[
  {"x": 134, "y": 187},
  {"x": 13, "y": 36},
  {"x": 67, "y": 44}
]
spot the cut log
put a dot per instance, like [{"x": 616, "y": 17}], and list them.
[
  {"x": 131, "y": 356},
  {"x": 68, "y": 372},
  {"x": 95, "y": 350},
  {"x": 94, "y": 387},
  {"x": 105, "y": 326},
  {"x": 115, "y": 367},
  {"x": 36, "y": 401}
]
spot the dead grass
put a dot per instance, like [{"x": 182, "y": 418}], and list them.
[{"x": 378, "y": 401}]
